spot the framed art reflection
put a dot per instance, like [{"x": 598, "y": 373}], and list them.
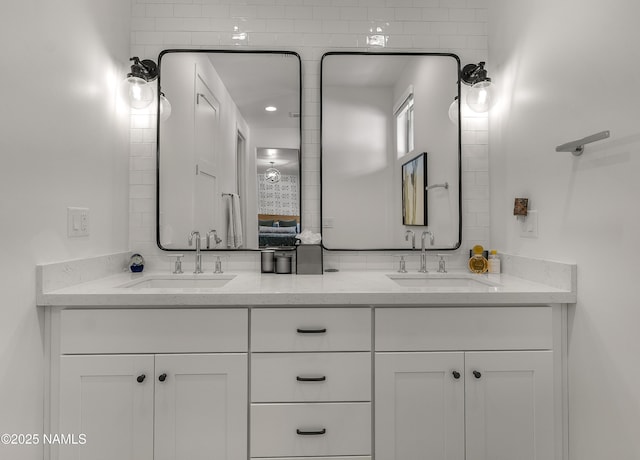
[{"x": 414, "y": 200}]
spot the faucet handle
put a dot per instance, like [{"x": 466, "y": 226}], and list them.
[
  {"x": 442, "y": 264},
  {"x": 402, "y": 265},
  {"x": 177, "y": 264},
  {"x": 218, "y": 266}
]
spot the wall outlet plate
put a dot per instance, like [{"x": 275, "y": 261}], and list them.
[
  {"x": 77, "y": 222},
  {"x": 529, "y": 224}
]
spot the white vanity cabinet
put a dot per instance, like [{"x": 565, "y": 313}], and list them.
[
  {"x": 150, "y": 384},
  {"x": 311, "y": 383},
  {"x": 308, "y": 382},
  {"x": 467, "y": 383}
]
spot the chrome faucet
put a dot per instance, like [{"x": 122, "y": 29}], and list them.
[
  {"x": 423, "y": 254},
  {"x": 198, "y": 254},
  {"x": 217, "y": 240},
  {"x": 413, "y": 238}
]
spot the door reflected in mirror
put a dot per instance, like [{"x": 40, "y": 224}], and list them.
[
  {"x": 390, "y": 153},
  {"x": 233, "y": 114}
]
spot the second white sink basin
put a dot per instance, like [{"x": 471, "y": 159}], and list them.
[
  {"x": 442, "y": 280},
  {"x": 203, "y": 281}
]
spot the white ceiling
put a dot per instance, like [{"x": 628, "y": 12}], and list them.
[{"x": 285, "y": 160}]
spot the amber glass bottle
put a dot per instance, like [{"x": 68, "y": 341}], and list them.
[{"x": 477, "y": 263}]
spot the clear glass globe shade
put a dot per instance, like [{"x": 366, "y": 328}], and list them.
[
  {"x": 165, "y": 108},
  {"x": 453, "y": 111},
  {"x": 140, "y": 93},
  {"x": 272, "y": 175},
  {"x": 479, "y": 97}
]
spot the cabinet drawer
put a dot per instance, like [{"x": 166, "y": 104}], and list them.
[
  {"x": 285, "y": 430},
  {"x": 311, "y": 329},
  {"x": 154, "y": 331},
  {"x": 297, "y": 377},
  {"x": 468, "y": 328}
]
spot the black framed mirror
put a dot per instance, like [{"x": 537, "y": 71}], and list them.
[
  {"x": 379, "y": 113},
  {"x": 228, "y": 154}
]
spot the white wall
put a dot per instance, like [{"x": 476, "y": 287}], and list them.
[
  {"x": 312, "y": 28},
  {"x": 566, "y": 70},
  {"x": 362, "y": 158},
  {"x": 64, "y": 141}
]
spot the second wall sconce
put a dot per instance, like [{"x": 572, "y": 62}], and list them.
[{"x": 480, "y": 95}]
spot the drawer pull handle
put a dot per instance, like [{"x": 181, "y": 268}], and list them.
[
  {"x": 456, "y": 375},
  {"x": 162, "y": 377},
  {"x": 477, "y": 374},
  {"x": 311, "y": 379},
  {"x": 311, "y": 433},
  {"x": 141, "y": 378},
  {"x": 312, "y": 331}
]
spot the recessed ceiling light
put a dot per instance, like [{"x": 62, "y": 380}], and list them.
[{"x": 271, "y": 108}]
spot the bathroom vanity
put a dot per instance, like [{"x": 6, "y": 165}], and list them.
[{"x": 349, "y": 365}]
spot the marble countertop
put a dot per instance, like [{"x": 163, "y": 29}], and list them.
[{"x": 375, "y": 288}]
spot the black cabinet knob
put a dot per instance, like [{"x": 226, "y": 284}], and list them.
[
  {"x": 141, "y": 378},
  {"x": 477, "y": 374},
  {"x": 456, "y": 375},
  {"x": 162, "y": 377}
]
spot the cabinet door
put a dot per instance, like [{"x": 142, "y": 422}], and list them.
[
  {"x": 419, "y": 409},
  {"x": 509, "y": 405},
  {"x": 106, "y": 398},
  {"x": 201, "y": 407}
]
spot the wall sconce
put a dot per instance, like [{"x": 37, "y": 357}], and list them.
[
  {"x": 480, "y": 94},
  {"x": 142, "y": 72}
]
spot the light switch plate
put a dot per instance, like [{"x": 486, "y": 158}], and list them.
[
  {"x": 77, "y": 222},
  {"x": 529, "y": 225}
]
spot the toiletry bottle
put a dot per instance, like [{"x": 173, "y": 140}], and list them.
[
  {"x": 477, "y": 263},
  {"x": 494, "y": 262}
]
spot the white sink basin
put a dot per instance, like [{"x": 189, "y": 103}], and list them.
[
  {"x": 442, "y": 281},
  {"x": 202, "y": 281}
]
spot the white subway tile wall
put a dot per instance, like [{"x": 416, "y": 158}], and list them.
[{"x": 310, "y": 28}]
